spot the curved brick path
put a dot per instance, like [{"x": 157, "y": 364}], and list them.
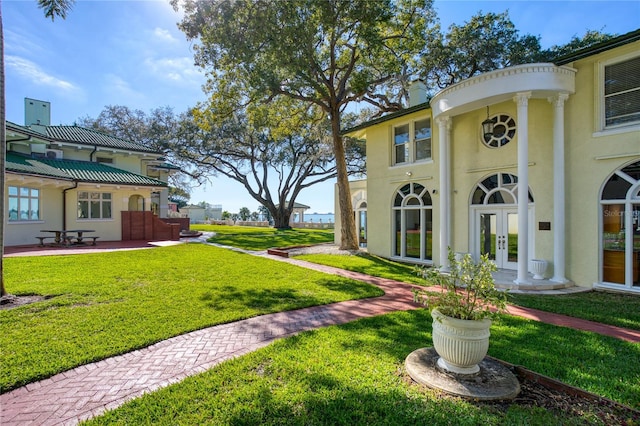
[{"x": 89, "y": 390}]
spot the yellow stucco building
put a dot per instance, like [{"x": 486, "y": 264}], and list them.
[
  {"x": 555, "y": 183},
  {"x": 60, "y": 178}
]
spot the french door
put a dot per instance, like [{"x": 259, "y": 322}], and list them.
[{"x": 497, "y": 235}]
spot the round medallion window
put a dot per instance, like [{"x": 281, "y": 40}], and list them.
[{"x": 504, "y": 130}]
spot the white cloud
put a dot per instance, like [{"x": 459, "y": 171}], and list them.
[
  {"x": 32, "y": 72},
  {"x": 164, "y": 35},
  {"x": 18, "y": 42},
  {"x": 179, "y": 70},
  {"x": 120, "y": 90}
]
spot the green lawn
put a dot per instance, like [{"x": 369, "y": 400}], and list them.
[
  {"x": 353, "y": 375},
  {"x": 253, "y": 238},
  {"x": 621, "y": 310},
  {"x": 368, "y": 264},
  {"x": 105, "y": 304},
  {"x": 100, "y": 305}
]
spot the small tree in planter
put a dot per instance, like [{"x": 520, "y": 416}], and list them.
[{"x": 462, "y": 311}]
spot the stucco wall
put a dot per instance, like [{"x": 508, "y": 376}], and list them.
[
  {"x": 21, "y": 233},
  {"x": 24, "y": 233},
  {"x": 592, "y": 156}
]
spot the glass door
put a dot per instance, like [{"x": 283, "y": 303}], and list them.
[
  {"x": 499, "y": 237},
  {"x": 362, "y": 227}
]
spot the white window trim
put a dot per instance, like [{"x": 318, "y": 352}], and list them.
[
  {"x": 102, "y": 200},
  {"x": 421, "y": 208},
  {"x": 628, "y": 202},
  {"x": 411, "y": 155},
  {"x": 414, "y": 142},
  {"x": 24, "y": 221},
  {"x": 394, "y": 161},
  {"x": 601, "y": 128}
]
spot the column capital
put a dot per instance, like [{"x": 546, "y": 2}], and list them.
[
  {"x": 558, "y": 100},
  {"x": 444, "y": 121},
  {"x": 522, "y": 98}
]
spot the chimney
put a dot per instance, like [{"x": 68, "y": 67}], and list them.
[
  {"x": 417, "y": 92},
  {"x": 37, "y": 114}
]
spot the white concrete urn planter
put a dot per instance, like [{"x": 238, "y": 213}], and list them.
[
  {"x": 461, "y": 344},
  {"x": 538, "y": 267}
]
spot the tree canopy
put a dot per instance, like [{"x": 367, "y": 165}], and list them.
[
  {"x": 485, "y": 43},
  {"x": 274, "y": 152},
  {"x": 323, "y": 53},
  {"x": 156, "y": 130},
  {"x": 590, "y": 38}
]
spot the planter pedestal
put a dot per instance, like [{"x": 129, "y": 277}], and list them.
[{"x": 494, "y": 381}]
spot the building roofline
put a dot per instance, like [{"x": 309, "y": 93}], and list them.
[
  {"x": 598, "y": 48},
  {"x": 77, "y": 170},
  {"x": 393, "y": 115}
]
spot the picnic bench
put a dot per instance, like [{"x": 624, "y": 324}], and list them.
[
  {"x": 42, "y": 238},
  {"x": 67, "y": 237}
]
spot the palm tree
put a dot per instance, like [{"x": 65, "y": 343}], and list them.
[{"x": 52, "y": 8}]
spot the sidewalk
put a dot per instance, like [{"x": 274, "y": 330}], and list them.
[{"x": 89, "y": 390}]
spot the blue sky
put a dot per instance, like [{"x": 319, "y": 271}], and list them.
[{"x": 131, "y": 53}]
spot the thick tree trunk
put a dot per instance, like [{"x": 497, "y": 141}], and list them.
[
  {"x": 349, "y": 238},
  {"x": 281, "y": 219}
]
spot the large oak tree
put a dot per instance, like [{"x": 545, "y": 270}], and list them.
[
  {"x": 327, "y": 53},
  {"x": 273, "y": 151}
]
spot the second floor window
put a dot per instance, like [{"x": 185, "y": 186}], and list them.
[
  {"x": 412, "y": 142},
  {"x": 622, "y": 93},
  {"x": 401, "y": 144},
  {"x": 422, "y": 136},
  {"x": 94, "y": 205}
]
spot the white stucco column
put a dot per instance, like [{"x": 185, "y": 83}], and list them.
[
  {"x": 522, "y": 100},
  {"x": 558, "y": 188},
  {"x": 444, "y": 130}
]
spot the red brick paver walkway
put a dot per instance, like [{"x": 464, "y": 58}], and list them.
[{"x": 89, "y": 390}]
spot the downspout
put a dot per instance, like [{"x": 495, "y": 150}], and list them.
[
  {"x": 95, "y": 149},
  {"x": 64, "y": 204}
]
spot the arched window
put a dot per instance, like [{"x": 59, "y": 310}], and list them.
[
  {"x": 412, "y": 213},
  {"x": 495, "y": 230},
  {"x": 620, "y": 204},
  {"x": 501, "y": 188}
]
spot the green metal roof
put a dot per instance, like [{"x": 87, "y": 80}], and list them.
[
  {"x": 84, "y": 136},
  {"x": 26, "y": 165},
  {"x": 81, "y": 171},
  {"x": 26, "y": 131}
]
